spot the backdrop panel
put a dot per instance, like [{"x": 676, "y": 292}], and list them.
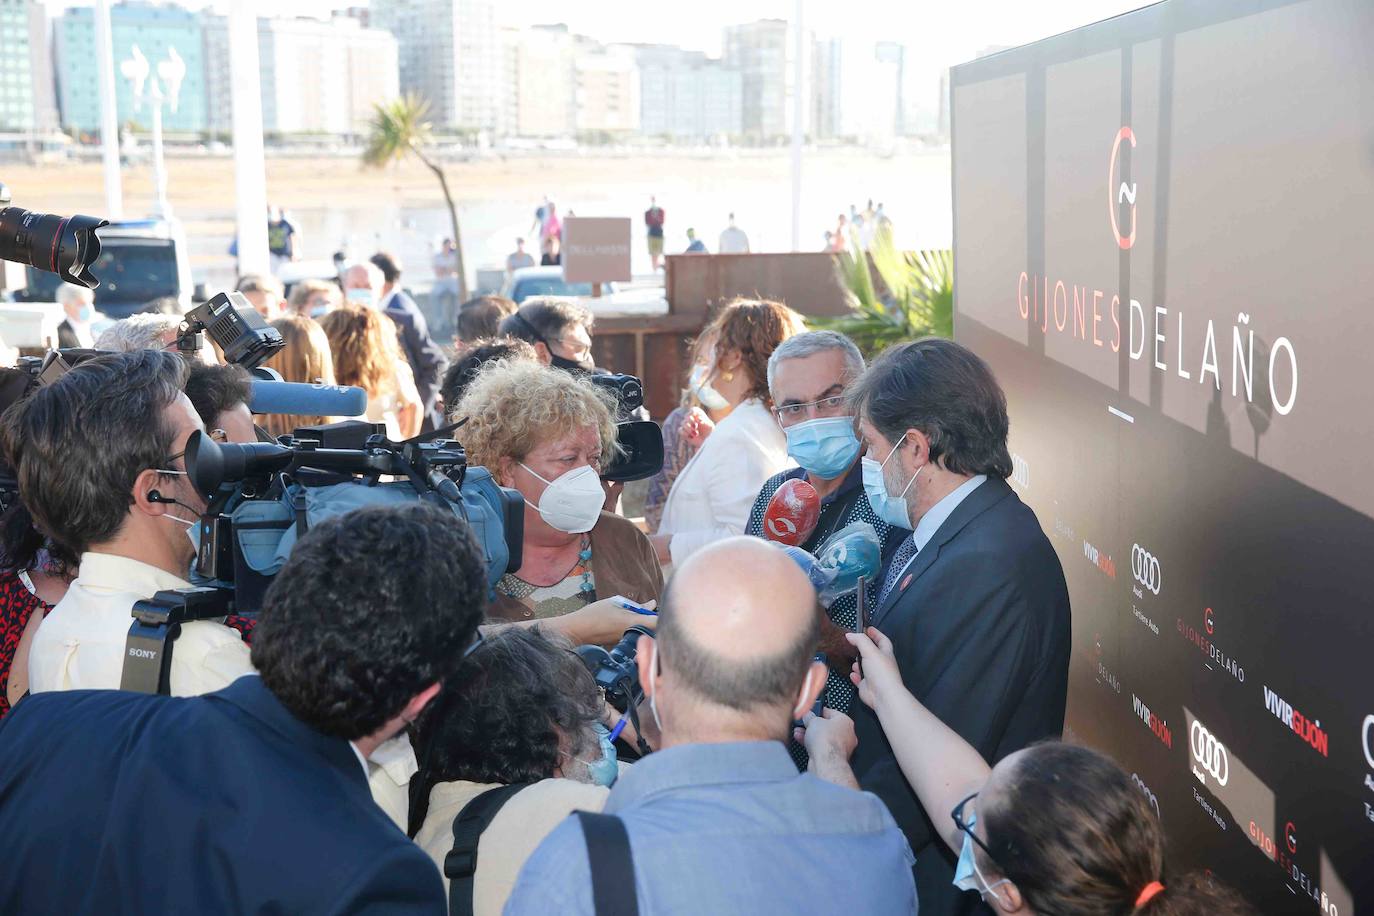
[{"x": 1163, "y": 233}]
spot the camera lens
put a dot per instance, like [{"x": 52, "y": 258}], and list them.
[{"x": 64, "y": 245}]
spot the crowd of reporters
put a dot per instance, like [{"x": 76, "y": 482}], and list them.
[{"x": 395, "y": 732}]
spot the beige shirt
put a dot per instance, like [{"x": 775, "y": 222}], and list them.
[
  {"x": 520, "y": 826},
  {"x": 388, "y": 776},
  {"x": 81, "y": 644}
]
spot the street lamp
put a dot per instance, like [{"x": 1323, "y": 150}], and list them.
[{"x": 149, "y": 85}]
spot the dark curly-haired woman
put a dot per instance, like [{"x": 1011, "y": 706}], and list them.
[{"x": 521, "y": 710}]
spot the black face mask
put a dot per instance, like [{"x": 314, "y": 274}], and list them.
[{"x": 570, "y": 365}]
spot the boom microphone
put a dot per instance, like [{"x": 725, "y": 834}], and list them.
[
  {"x": 309, "y": 400},
  {"x": 792, "y": 513}
]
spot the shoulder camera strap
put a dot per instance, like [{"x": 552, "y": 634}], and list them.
[
  {"x": 460, "y": 865},
  {"x": 612, "y": 864}
]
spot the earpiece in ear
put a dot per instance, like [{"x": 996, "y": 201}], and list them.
[{"x": 155, "y": 497}]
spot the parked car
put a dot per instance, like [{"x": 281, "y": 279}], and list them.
[{"x": 546, "y": 281}]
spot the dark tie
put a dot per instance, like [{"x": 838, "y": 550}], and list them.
[{"x": 900, "y": 559}]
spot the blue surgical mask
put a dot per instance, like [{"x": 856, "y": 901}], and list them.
[
  {"x": 604, "y": 770},
  {"x": 709, "y": 397},
  {"x": 825, "y": 447},
  {"x": 86, "y": 313},
  {"x": 967, "y": 876},
  {"x": 889, "y": 508},
  {"x": 359, "y": 296}
]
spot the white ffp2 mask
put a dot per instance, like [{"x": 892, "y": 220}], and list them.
[{"x": 571, "y": 502}]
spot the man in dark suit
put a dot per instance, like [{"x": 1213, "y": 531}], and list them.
[
  {"x": 425, "y": 356},
  {"x": 974, "y": 600},
  {"x": 255, "y": 798}
]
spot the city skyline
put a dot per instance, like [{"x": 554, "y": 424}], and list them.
[{"x": 481, "y": 73}]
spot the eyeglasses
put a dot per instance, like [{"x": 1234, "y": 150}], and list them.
[
  {"x": 824, "y": 407},
  {"x": 966, "y": 827}
]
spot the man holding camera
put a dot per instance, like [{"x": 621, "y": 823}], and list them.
[
  {"x": 254, "y": 799},
  {"x": 718, "y": 820},
  {"x": 99, "y": 455}
]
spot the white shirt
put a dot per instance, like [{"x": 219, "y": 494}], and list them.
[
  {"x": 734, "y": 241},
  {"x": 82, "y": 330},
  {"x": 713, "y": 495},
  {"x": 81, "y": 644}
]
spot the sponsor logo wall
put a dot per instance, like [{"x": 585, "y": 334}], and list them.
[{"x": 1187, "y": 379}]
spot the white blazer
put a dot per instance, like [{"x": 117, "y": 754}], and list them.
[{"x": 713, "y": 495}]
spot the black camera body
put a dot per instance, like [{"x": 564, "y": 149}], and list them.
[{"x": 616, "y": 672}]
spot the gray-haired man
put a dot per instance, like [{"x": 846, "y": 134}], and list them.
[{"x": 807, "y": 377}]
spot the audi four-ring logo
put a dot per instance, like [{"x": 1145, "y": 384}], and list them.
[
  {"x": 1367, "y": 736},
  {"x": 1210, "y": 753},
  {"x": 1145, "y": 568}
]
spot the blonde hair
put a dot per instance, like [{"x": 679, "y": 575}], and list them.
[
  {"x": 305, "y": 358},
  {"x": 512, "y": 406},
  {"x": 363, "y": 343},
  {"x": 302, "y": 292}
]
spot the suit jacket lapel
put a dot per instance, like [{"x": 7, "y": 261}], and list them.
[{"x": 988, "y": 494}]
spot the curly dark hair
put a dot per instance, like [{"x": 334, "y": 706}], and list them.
[
  {"x": 372, "y": 607},
  {"x": 503, "y": 718},
  {"x": 77, "y": 445},
  {"x": 943, "y": 389},
  {"x": 1076, "y": 835},
  {"x": 754, "y": 328}
]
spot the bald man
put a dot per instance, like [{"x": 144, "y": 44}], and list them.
[{"x": 718, "y": 820}]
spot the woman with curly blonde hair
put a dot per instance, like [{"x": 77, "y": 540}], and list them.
[
  {"x": 366, "y": 353},
  {"x": 712, "y": 496},
  {"x": 305, "y": 358},
  {"x": 548, "y": 434}
]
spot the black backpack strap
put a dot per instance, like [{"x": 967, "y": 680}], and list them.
[
  {"x": 612, "y": 864},
  {"x": 460, "y": 865}
]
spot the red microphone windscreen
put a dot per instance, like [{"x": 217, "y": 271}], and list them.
[{"x": 792, "y": 513}]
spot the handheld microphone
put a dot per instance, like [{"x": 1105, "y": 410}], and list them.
[
  {"x": 792, "y": 513},
  {"x": 850, "y": 555},
  {"x": 306, "y": 399}
]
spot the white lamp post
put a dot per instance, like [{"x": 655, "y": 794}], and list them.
[{"x": 149, "y": 86}]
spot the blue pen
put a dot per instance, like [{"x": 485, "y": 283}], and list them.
[
  {"x": 629, "y": 605},
  {"x": 619, "y": 727}
]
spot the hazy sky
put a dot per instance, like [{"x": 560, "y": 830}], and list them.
[{"x": 940, "y": 32}]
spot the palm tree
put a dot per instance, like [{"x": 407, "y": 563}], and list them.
[
  {"x": 398, "y": 128},
  {"x": 913, "y": 295}
]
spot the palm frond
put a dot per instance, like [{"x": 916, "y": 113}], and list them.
[
  {"x": 913, "y": 295},
  {"x": 397, "y": 128}
]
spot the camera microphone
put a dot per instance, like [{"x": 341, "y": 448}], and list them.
[{"x": 305, "y": 399}]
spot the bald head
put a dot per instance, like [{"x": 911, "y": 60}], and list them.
[{"x": 738, "y": 628}]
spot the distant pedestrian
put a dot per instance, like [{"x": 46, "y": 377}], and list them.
[
  {"x": 653, "y": 219},
  {"x": 694, "y": 244},
  {"x": 282, "y": 238},
  {"x": 518, "y": 258},
  {"x": 552, "y": 228},
  {"x": 733, "y": 240}
]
